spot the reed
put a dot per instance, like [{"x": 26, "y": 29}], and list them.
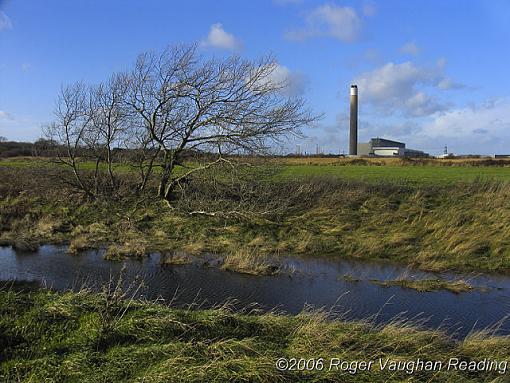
[{"x": 108, "y": 336}]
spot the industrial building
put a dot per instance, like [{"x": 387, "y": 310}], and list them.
[
  {"x": 381, "y": 147},
  {"x": 377, "y": 147}
]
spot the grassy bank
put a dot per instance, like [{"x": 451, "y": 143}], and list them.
[
  {"x": 84, "y": 337},
  {"x": 453, "y": 226}
]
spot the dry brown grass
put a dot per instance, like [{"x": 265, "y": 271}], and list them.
[
  {"x": 250, "y": 261},
  {"x": 134, "y": 247},
  {"x": 176, "y": 258}
]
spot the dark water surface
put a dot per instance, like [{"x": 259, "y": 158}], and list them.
[{"x": 316, "y": 281}]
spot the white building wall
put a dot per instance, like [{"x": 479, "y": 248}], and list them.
[{"x": 387, "y": 152}]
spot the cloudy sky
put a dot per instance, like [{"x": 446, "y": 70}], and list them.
[{"x": 429, "y": 72}]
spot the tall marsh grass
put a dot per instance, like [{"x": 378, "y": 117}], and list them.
[{"x": 110, "y": 337}]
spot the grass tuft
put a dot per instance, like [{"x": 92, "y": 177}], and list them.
[
  {"x": 425, "y": 285},
  {"x": 250, "y": 261}
]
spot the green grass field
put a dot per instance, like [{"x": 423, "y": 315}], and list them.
[
  {"x": 389, "y": 171},
  {"x": 24, "y": 162},
  {"x": 392, "y": 173}
]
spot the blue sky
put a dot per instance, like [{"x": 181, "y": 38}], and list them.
[{"x": 429, "y": 73}]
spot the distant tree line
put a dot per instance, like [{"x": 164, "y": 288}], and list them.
[{"x": 41, "y": 147}]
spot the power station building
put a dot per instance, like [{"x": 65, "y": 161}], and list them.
[
  {"x": 381, "y": 147},
  {"x": 377, "y": 147}
]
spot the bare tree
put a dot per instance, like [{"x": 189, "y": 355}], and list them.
[
  {"x": 108, "y": 122},
  {"x": 90, "y": 123},
  {"x": 70, "y": 128},
  {"x": 187, "y": 103},
  {"x": 170, "y": 107},
  {"x": 3, "y": 139},
  {"x": 142, "y": 152}
]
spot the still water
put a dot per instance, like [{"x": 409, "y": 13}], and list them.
[{"x": 317, "y": 282}]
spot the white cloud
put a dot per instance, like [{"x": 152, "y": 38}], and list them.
[
  {"x": 5, "y": 116},
  {"x": 219, "y": 38},
  {"x": 491, "y": 119},
  {"x": 5, "y": 22},
  {"x": 295, "y": 81},
  {"x": 410, "y": 48},
  {"x": 441, "y": 63},
  {"x": 342, "y": 23},
  {"x": 290, "y": 83},
  {"x": 26, "y": 66},
  {"x": 447, "y": 84},
  {"x": 477, "y": 129},
  {"x": 369, "y": 9},
  {"x": 402, "y": 88}
]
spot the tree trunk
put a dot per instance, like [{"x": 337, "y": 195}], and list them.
[
  {"x": 169, "y": 191},
  {"x": 145, "y": 177},
  {"x": 167, "y": 172},
  {"x": 110, "y": 169}
]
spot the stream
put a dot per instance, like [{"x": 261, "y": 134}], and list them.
[{"x": 319, "y": 282}]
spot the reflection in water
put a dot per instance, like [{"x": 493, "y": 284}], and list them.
[{"x": 317, "y": 282}]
